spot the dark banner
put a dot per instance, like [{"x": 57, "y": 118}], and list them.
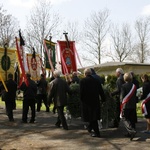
[{"x": 50, "y": 54}]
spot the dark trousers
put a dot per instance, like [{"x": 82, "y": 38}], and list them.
[
  {"x": 28, "y": 103},
  {"x": 128, "y": 118},
  {"x": 9, "y": 109},
  {"x": 117, "y": 113},
  {"x": 61, "y": 118},
  {"x": 94, "y": 125},
  {"x": 40, "y": 98}
]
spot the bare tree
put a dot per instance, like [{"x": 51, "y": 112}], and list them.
[
  {"x": 142, "y": 27},
  {"x": 121, "y": 43},
  {"x": 8, "y": 28},
  {"x": 41, "y": 23},
  {"x": 96, "y": 28}
]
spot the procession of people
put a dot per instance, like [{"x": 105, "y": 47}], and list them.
[{"x": 91, "y": 97}]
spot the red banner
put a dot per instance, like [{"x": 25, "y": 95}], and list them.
[{"x": 67, "y": 56}]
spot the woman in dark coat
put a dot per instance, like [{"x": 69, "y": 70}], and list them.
[
  {"x": 90, "y": 92},
  {"x": 128, "y": 105},
  {"x": 146, "y": 100}
]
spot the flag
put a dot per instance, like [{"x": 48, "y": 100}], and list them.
[
  {"x": 22, "y": 43},
  {"x": 7, "y": 62},
  {"x": 20, "y": 55},
  {"x": 50, "y": 56},
  {"x": 67, "y": 56},
  {"x": 33, "y": 54},
  {"x": 34, "y": 66}
]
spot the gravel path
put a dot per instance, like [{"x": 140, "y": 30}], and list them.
[{"x": 43, "y": 135}]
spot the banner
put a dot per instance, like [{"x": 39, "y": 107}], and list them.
[
  {"x": 67, "y": 56},
  {"x": 7, "y": 62},
  {"x": 34, "y": 66},
  {"x": 50, "y": 56}
]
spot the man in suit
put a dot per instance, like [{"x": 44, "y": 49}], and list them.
[
  {"x": 58, "y": 94},
  {"x": 10, "y": 96},
  {"x": 42, "y": 86},
  {"x": 90, "y": 92},
  {"x": 29, "y": 95},
  {"x": 119, "y": 83}
]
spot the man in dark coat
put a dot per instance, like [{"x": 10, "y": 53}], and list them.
[
  {"x": 90, "y": 92},
  {"x": 97, "y": 76},
  {"x": 58, "y": 95},
  {"x": 119, "y": 83},
  {"x": 42, "y": 86},
  {"x": 10, "y": 96},
  {"x": 29, "y": 95},
  {"x": 75, "y": 78}
]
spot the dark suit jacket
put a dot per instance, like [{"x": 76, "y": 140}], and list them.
[
  {"x": 12, "y": 88},
  {"x": 90, "y": 92},
  {"x": 119, "y": 83},
  {"x": 59, "y": 92},
  {"x": 131, "y": 104}
]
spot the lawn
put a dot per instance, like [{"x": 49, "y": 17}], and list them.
[{"x": 19, "y": 106}]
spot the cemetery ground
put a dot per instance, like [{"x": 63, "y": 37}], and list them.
[{"x": 43, "y": 135}]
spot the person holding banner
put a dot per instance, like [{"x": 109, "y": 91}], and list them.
[
  {"x": 146, "y": 100},
  {"x": 128, "y": 105},
  {"x": 29, "y": 89},
  {"x": 10, "y": 96},
  {"x": 42, "y": 86}
]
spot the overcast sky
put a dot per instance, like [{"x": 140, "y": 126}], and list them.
[{"x": 78, "y": 10}]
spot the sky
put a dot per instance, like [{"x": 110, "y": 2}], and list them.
[
  {"x": 78, "y": 10},
  {"x": 121, "y": 11}
]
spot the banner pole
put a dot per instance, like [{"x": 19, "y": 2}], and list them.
[{"x": 3, "y": 83}]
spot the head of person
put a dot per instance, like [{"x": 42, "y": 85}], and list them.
[
  {"x": 56, "y": 73},
  {"x": 127, "y": 77},
  {"x": 10, "y": 76},
  {"x": 28, "y": 75},
  {"x": 93, "y": 71},
  {"x": 119, "y": 71},
  {"x": 42, "y": 76},
  {"x": 87, "y": 72},
  {"x": 144, "y": 78},
  {"x": 74, "y": 74}
]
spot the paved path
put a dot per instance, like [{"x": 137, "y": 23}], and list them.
[{"x": 43, "y": 135}]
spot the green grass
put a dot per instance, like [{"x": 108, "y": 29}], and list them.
[
  {"x": 19, "y": 105},
  {"x": 138, "y": 109}
]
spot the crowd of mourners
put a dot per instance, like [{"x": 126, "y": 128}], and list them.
[{"x": 91, "y": 95}]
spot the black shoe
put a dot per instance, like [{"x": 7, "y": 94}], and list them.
[
  {"x": 32, "y": 121},
  {"x": 89, "y": 130},
  {"x": 95, "y": 135},
  {"x": 114, "y": 126},
  {"x": 66, "y": 128},
  {"x": 132, "y": 135},
  {"x": 54, "y": 110},
  {"x": 57, "y": 125},
  {"x": 11, "y": 120},
  {"x": 23, "y": 121},
  {"x": 47, "y": 110},
  {"x": 127, "y": 135}
]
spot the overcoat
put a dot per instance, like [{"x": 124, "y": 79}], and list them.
[
  {"x": 91, "y": 93},
  {"x": 59, "y": 91}
]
